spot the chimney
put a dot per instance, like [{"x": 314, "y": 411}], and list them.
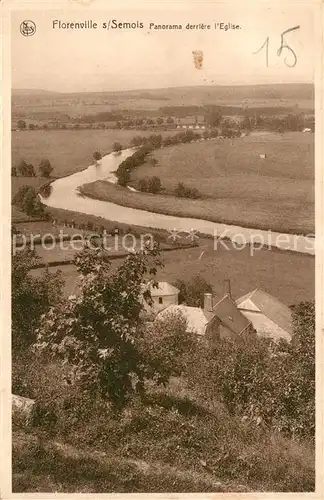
[
  {"x": 228, "y": 288},
  {"x": 208, "y": 302}
]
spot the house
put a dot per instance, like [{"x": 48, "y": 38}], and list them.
[
  {"x": 163, "y": 295},
  {"x": 262, "y": 156},
  {"x": 269, "y": 317},
  {"x": 213, "y": 321}
]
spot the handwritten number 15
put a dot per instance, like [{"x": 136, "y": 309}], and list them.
[{"x": 283, "y": 45}]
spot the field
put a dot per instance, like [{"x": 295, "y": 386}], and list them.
[
  {"x": 236, "y": 186},
  {"x": 271, "y": 271},
  {"x": 44, "y": 106},
  {"x": 68, "y": 151}
]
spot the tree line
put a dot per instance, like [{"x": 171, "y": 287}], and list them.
[{"x": 25, "y": 169}]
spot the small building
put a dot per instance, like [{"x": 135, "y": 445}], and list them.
[
  {"x": 262, "y": 156},
  {"x": 163, "y": 295},
  {"x": 268, "y": 315}
]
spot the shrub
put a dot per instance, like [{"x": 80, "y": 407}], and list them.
[
  {"x": 117, "y": 147},
  {"x": 154, "y": 184},
  {"x": 45, "y": 168},
  {"x": 185, "y": 192}
]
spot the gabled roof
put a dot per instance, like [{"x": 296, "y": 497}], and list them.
[
  {"x": 272, "y": 308},
  {"x": 196, "y": 318},
  {"x": 227, "y": 311}
]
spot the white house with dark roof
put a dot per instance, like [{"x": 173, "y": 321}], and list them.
[{"x": 268, "y": 315}]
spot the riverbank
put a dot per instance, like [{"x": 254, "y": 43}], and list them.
[{"x": 216, "y": 211}]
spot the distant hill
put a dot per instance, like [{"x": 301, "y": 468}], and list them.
[
  {"x": 32, "y": 92},
  {"x": 301, "y": 91}
]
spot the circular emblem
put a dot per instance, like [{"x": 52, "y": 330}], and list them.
[{"x": 28, "y": 28}]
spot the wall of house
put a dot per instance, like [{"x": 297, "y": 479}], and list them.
[
  {"x": 212, "y": 331},
  {"x": 167, "y": 300}
]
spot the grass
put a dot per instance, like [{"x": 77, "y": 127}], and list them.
[
  {"x": 61, "y": 468},
  {"x": 270, "y": 270},
  {"x": 68, "y": 151},
  {"x": 235, "y": 184},
  {"x": 286, "y": 217},
  {"x": 174, "y": 440}
]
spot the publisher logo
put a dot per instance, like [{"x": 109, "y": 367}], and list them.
[{"x": 28, "y": 28}]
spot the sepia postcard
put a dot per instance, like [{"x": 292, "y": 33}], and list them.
[{"x": 161, "y": 281}]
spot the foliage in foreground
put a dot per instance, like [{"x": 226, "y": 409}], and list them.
[
  {"x": 31, "y": 297},
  {"x": 270, "y": 384},
  {"x": 240, "y": 411},
  {"x": 101, "y": 335}
]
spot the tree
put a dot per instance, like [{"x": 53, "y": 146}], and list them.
[
  {"x": 159, "y": 121},
  {"x": 155, "y": 140},
  {"x": 154, "y": 184},
  {"x": 180, "y": 190},
  {"x": 117, "y": 147},
  {"x": 14, "y": 171},
  {"x": 22, "y": 168},
  {"x": 142, "y": 185},
  {"x": 192, "y": 291},
  {"x": 31, "y": 126},
  {"x": 170, "y": 120},
  {"x": 169, "y": 345},
  {"x": 30, "y": 171},
  {"x": 185, "y": 192},
  {"x": 28, "y": 201},
  {"x": 99, "y": 334},
  {"x": 213, "y": 118},
  {"x": 265, "y": 382},
  {"x": 25, "y": 169},
  {"x": 31, "y": 297},
  {"x": 246, "y": 123},
  {"x": 136, "y": 141},
  {"x": 19, "y": 196},
  {"x": 45, "y": 168},
  {"x": 21, "y": 125},
  {"x": 97, "y": 156}
]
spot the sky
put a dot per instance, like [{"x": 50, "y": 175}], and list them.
[{"x": 105, "y": 60}]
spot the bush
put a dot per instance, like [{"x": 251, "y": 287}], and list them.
[
  {"x": 270, "y": 384},
  {"x": 117, "y": 147},
  {"x": 97, "y": 156},
  {"x": 25, "y": 170},
  {"x": 185, "y": 192},
  {"x": 154, "y": 184},
  {"x": 45, "y": 168},
  {"x": 28, "y": 201}
]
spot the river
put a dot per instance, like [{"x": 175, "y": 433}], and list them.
[{"x": 64, "y": 194}]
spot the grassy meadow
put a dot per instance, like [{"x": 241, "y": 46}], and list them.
[
  {"x": 67, "y": 150},
  {"x": 270, "y": 270},
  {"x": 235, "y": 184}
]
